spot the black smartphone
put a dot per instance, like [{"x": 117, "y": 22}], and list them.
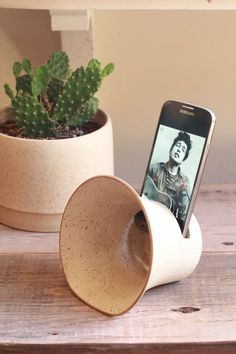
[{"x": 177, "y": 158}]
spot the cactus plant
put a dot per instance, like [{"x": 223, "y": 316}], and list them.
[
  {"x": 52, "y": 96},
  {"x": 31, "y": 117}
]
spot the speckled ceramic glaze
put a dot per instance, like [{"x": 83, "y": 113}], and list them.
[
  {"x": 111, "y": 257},
  {"x": 38, "y": 176}
]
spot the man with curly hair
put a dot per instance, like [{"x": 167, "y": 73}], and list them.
[{"x": 166, "y": 182}]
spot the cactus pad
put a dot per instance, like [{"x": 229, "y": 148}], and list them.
[
  {"x": 85, "y": 113},
  {"x": 58, "y": 65},
  {"x": 32, "y": 119},
  {"x": 17, "y": 68},
  {"x": 8, "y": 91},
  {"x": 40, "y": 81},
  {"x": 55, "y": 88},
  {"x": 23, "y": 83},
  {"x": 27, "y": 66},
  {"x": 79, "y": 88}
]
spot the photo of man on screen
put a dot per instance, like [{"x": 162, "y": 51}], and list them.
[{"x": 165, "y": 181}]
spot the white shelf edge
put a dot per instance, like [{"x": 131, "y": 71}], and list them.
[{"x": 120, "y": 4}]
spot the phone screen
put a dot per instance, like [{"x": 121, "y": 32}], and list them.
[{"x": 179, "y": 144}]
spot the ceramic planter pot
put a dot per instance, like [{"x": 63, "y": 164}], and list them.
[
  {"x": 38, "y": 176},
  {"x": 115, "y": 245}
]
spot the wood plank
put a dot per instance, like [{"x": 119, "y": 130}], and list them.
[
  {"x": 37, "y": 307},
  {"x": 219, "y": 238},
  {"x": 152, "y": 348},
  {"x": 215, "y": 210},
  {"x": 14, "y": 241},
  {"x": 216, "y": 205},
  {"x": 217, "y": 229},
  {"x": 216, "y": 238}
]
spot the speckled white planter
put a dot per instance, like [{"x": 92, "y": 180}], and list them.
[
  {"x": 38, "y": 176},
  {"x": 109, "y": 257}
]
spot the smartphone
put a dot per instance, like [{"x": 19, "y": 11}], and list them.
[{"x": 178, "y": 157}]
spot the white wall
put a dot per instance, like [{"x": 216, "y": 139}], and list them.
[
  {"x": 24, "y": 34},
  {"x": 159, "y": 55}
]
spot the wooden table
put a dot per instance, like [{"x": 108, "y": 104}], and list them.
[{"x": 39, "y": 314}]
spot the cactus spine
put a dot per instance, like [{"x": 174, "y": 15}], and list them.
[
  {"x": 84, "y": 113},
  {"x": 52, "y": 97},
  {"x": 32, "y": 118}
]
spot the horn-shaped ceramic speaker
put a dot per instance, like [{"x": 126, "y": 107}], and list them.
[{"x": 115, "y": 245}]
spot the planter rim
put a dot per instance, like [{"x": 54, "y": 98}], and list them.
[{"x": 57, "y": 141}]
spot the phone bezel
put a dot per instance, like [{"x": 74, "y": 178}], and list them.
[{"x": 208, "y": 117}]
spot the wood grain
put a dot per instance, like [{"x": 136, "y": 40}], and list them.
[
  {"x": 15, "y": 241},
  {"x": 36, "y": 303},
  {"x": 215, "y": 209},
  {"x": 152, "y": 348},
  {"x": 215, "y": 205},
  {"x": 39, "y": 314}
]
